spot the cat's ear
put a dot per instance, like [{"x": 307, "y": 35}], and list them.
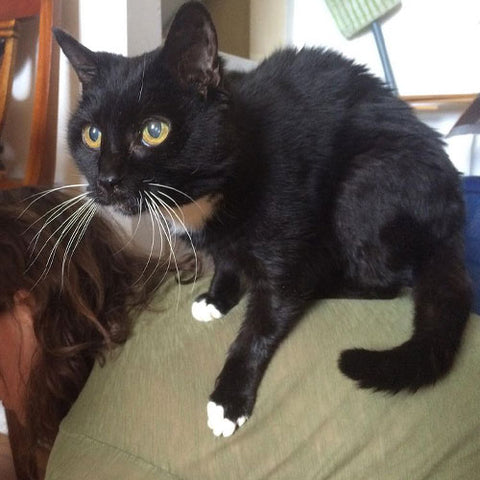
[
  {"x": 191, "y": 48},
  {"x": 83, "y": 60}
]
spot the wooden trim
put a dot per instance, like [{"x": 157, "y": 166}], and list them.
[
  {"x": 7, "y": 28},
  {"x": 40, "y": 163},
  {"x": 7, "y": 61},
  {"x": 19, "y": 8},
  {"x": 440, "y": 102},
  {"x": 40, "y": 167},
  {"x": 453, "y": 98}
]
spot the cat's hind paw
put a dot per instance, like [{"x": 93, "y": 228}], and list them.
[
  {"x": 205, "y": 311},
  {"x": 219, "y": 424}
]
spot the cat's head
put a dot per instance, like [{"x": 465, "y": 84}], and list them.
[{"x": 149, "y": 128}]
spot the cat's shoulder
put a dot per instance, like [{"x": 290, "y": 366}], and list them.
[
  {"x": 306, "y": 68},
  {"x": 304, "y": 60}
]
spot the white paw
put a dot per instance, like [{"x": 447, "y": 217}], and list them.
[
  {"x": 219, "y": 424},
  {"x": 205, "y": 312}
]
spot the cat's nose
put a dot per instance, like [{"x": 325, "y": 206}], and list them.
[
  {"x": 111, "y": 171},
  {"x": 108, "y": 182}
]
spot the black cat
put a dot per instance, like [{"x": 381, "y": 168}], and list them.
[{"x": 313, "y": 181}]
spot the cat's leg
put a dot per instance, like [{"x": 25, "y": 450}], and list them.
[
  {"x": 270, "y": 317},
  {"x": 224, "y": 293}
]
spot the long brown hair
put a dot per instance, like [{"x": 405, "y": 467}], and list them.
[{"x": 82, "y": 301}]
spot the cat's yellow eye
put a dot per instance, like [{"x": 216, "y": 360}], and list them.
[
  {"x": 155, "y": 132},
  {"x": 92, "y": 137}
]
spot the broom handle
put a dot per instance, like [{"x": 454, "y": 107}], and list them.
[{"x": 382, "y": 50}]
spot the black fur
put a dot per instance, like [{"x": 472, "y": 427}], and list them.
[{"x": 328, "y": 185}]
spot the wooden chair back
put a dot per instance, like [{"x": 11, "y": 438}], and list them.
[{"x": 40, "y": 163}]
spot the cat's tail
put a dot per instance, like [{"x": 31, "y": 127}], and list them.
[{"x": 442, "y": 296}]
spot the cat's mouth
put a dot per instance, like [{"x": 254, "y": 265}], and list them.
[{"x": 122, "y": 203}]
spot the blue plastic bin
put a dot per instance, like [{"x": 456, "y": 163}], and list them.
[{"x": 471, "y": 188}]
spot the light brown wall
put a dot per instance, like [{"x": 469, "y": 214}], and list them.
[
  {"x": 232, "y": 21},
  {"x": 268, "y": 27}
]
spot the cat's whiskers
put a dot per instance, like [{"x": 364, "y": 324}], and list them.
[
  {"x": 163, "y": 224},
  {"x": 39, "y": 195},
  {"x": 163, "y": 232},
  {"x": 78, "y": 234},
  {"x": 168, "y": 235},
  {"x": 172, "y": 212},
  {"x": 168, "y": 187},
  {"x": 182, "y": 223},
  {"x": 137, "y": 226},
  {"x": 152, "y": 243},
  {"x": 64, "y": 228},
  {"x": 53, "y": 212},
  {"x": 181, "y": 220},
  {"x": 155, "y": 218},
  {"x": 143, "y": 78},
  {"x": 51, "y": 215},
  {"x": 78, "y": 216}
]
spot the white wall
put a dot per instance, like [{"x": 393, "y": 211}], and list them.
[
  {"x": 432, "y": 44},
  {"x": 268, "y": 26},
  {"x": 3, "y": 420},
  {"x": 433, "y": 49}
]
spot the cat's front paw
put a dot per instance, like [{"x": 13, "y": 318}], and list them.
[
  {"x": 227, "y": 411},
  {"x": 219, "y": 423},
  {"x": 205, "y": 310}
]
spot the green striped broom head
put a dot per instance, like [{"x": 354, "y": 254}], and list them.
[{"x": 352, "y": 16}]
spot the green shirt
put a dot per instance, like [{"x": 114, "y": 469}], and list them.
[{"x": 143, "y": 415}]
